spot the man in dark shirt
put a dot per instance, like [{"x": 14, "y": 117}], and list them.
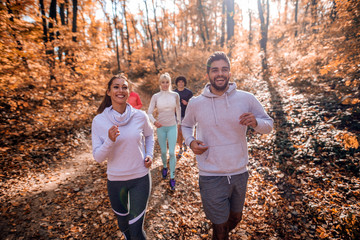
[{"x": 185, "y": 95}]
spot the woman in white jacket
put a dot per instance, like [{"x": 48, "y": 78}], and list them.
[
  {"x": 167, "y": 104},
  {"x": 123, "y": 136}
]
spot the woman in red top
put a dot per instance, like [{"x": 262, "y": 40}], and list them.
[{"x": 134, "y": 98}]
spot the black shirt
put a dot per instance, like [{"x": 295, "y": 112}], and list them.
[{"x": 185, "y": 94}]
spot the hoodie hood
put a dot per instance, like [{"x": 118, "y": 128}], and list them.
[
  {"x": 118, "y": 118},
  {"x": 207, "y": 93}
]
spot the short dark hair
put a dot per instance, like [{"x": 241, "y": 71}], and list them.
[
  {"x": 180, "y": 78},
  {"x": 216, "y": 56}
]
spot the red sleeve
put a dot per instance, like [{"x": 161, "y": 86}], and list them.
[{"x": 138, "y": 101}]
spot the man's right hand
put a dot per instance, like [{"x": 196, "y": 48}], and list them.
[{"x": 198, "y": 147}]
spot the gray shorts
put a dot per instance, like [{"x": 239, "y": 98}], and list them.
[{"x": 222, "y": 194}]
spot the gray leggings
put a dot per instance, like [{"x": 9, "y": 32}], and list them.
[{"x": 128, "y": 201}]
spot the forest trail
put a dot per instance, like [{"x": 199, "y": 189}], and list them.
[{"x": 291, "y": 191}]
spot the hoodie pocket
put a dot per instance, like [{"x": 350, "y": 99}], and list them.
[{"x": 224, "y": 159}]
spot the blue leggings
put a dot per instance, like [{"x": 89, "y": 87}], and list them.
[
  {"x": 169, "y": 134},
  {"x": 129, "y": 200}
]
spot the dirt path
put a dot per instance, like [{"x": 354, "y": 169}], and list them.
[
  {"x": 293, "y": 193},
  {"x": 71, "y": 201}
]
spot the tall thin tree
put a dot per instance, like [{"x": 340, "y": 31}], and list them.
[{"x": 264, "y": 32}]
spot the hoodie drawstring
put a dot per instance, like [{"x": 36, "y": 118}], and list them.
[
  {"x": 227, "y": 101},
  {"x": 213, "y": 106},
  {"x": 229, "y": 178}
]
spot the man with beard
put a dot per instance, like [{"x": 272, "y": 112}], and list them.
[{"x": 222, "y": 115}]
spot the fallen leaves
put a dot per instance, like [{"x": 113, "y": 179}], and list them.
[{"x": 304, "y": 180}]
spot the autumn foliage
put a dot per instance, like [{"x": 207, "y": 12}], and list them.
[{"x": 302, "y": 62}]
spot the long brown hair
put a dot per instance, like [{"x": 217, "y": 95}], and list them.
[{"x": 106, "y": 102}]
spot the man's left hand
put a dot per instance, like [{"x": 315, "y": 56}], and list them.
[{"x": 248, "y": 119}]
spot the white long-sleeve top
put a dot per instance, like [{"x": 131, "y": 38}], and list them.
[
  {"x": 125, "y": 157},
  {"x": 167, "y": 104}
]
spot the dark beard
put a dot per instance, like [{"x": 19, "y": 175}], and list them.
[{"x": 219, "y": 88}]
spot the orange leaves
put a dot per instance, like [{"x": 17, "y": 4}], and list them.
[
  {"x": 322, "y": 232},
  {"x": 348, "y": 140},
  {"x": 348, "y": 100}
]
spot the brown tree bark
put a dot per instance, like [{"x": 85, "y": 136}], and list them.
[
  {"x": 64, "y": 22},
  {"x": 71, "y": 59},
  {"x": 127, "y": 33},
  {"x": 230, "y": 23},
  {"x": 151, "y": 37},
  {"x": 74, "y": 20},
  {"x": 222, "y": 40},
  {"x": 110, "y": 38},
  {"x": 263, "y": 32},
  {"x": 296, "y": 16},
  {"x": 18, "y": 43},
  {"x": 204, "y": 31},
  {"x": 250, "y": 28},
  {"x": 49, "y": 46},
  {"x": 157, "y": 37},
  {"x": 114, "y": 8}
]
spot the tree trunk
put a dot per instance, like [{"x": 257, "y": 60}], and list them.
[
  {"x": 133, "y": 25},
  {"x": 174, "y": 44},
  {"x": 222, "y": 40},
  {"x": 114, "y": 8},
  {"x": 185, "y": 31},
  {"x": 216, "y": 23},
  {"x": 44, "y": 23},
  {"x": 314, "y": 15},
  {"x": 333, "y": 12},
  {"x": 158, "y": 42},
  {"x": 296, "y": 17},
  {"x": 19, "y": 45},
  {"x": 263, "y": 33},
  {"x": 127, "y": 34},
  {"x": 110, "y": 40},
  {"x": 50, "y": 52},
  {"x": 74, "y": 31},
  {"x": 285, "y": 12},
  {"x": 250, "y": 28},
  {"x": 64, "y": 22},
  {"x": 74, "y": 25},
  {"x": 230, "y": 19},
  {"x": 204, "y": 32},
  {"x": 150, "y": 34},
  {"x": 121, "y": 29}
]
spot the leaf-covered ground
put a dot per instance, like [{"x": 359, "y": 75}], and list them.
[{"x": 304, "y": 182}]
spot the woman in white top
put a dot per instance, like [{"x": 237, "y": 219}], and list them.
[
  {"x": 167, "y": 104},
  {"x": 123, "y": 136}
]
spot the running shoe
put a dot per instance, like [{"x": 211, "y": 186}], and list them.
[
  {"x": 172, "y": 184},
  {"x": 164, "y": 172}
]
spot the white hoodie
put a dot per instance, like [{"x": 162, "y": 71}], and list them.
[
  {"x": 217, "y": 119},
  {"x": 127, "y": 154}
]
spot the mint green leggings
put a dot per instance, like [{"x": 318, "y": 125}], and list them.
[{"x": 169, "y": 134}]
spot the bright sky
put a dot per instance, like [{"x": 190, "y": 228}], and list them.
[
  {"x": 245, "y": 5},
  {"x": 133, "y": 5}
]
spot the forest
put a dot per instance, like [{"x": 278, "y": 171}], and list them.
[{"x": 300, "y": 58}]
